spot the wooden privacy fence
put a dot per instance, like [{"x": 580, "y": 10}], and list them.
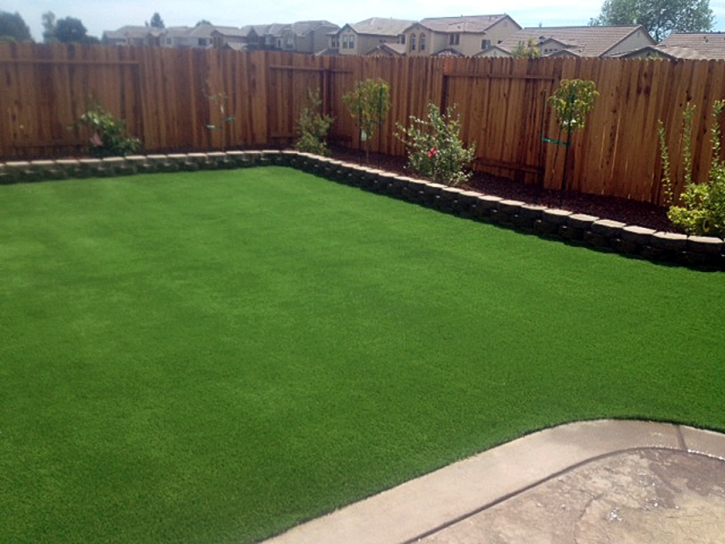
[{"x": 171, "y": 97}]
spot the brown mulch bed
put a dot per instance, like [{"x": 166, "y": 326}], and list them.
[{"x": 618, "y": 209}]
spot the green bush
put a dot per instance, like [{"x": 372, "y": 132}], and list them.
[
  {"x": 435, "y": 149},
  {"x": 313, "y": 126},
  {"x": 108, "y": 134},
  {"x": 702, "y": 212}
]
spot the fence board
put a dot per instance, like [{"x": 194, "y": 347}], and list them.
[{"x": 164, "y": 96}]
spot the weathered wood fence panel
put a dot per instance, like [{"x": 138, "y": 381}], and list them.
[{"x": 189, "y": 99}]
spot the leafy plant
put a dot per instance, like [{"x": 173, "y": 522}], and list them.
[
  {"x": 435, "y": 149},
  {"x": 368, "y": 103},
  {"x": 109, "y": 136},
  {"x": 313, "y": 126},
  {"x": 703, "y": 209},
  {"x": 572, "y": 101},
  {"x": 526, "y": 51}
]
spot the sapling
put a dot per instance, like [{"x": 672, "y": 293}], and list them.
[
  {"x": 368, "y": 104},
  {"x": 572, "y": 101}
]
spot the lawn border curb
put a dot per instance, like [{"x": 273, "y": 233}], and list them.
[
  {"x": 699, "y": 252},
  {"x": 433, "y": 502}
]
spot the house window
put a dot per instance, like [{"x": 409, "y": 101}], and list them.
[
  {"x": 289, "y": 43},
  {"x": 455, "y": 39},
  {"x": 344, "y": 41},
  {"x": 422, "y": 42},
  {"x": 413, "y": 39},
  {"x": 202, "y": 42},
  {"x": 169, "y": 41},
  {"x": 402, "y": 39},
  {"x": 485, "y": 44},
  {"x": 352, "y": 41}
]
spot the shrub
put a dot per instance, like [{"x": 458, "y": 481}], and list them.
[
  {"x": 435, "y": 149},
  {"x": 703, "y": 209},
  {"x": 313, "y": 126},
  {"x": 526, "y": 51},
  {"x": 108, "y": 135}
]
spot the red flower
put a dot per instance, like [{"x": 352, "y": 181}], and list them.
[{"x": 432, "y": 153}]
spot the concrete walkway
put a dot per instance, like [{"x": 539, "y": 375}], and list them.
[{"x": 592, "y": 482}]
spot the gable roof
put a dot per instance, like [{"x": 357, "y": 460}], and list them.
[
  {"x": 204, "y": 30},
  {"x": 302, "y": 28},
  {"x": 662, "y": 52},
  {"x": 389, "y": 49},
  {"x": 134, "y": 31},
  {"x": 448, "y": 52},
  {"x": 709, "y": 45},
  {"x": 231, "y": 31},
  {"x": 236, "y": 46},
  {"x": 493, "y": 52},
  {"x": 475, "y": 24},
  {"x": 177, "y": 31},
  {"x": 585, "y": 41},
  {"x": 378, "y": 26}
]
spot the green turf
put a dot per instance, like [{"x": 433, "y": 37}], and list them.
[{"x": 216, "y": 356}]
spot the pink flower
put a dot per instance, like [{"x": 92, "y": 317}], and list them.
[{"x": 432, "y": 153}]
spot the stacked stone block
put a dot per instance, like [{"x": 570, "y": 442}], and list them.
[{"x": 579, "y": 229}]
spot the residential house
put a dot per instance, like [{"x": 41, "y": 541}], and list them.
[
  {"x": 229, "y": 38},
  {"x": 307, "y": 36},
  {"x": 361, "y": 38},
  {"x": 576, "y": 41},
  {"x": 460, "y": 36},
  {"x": 270, "y": 36},
  {"x": 300, "y": 37},
  {"x": 692, "y": 46},
  {"x": 133, "y": 35}
]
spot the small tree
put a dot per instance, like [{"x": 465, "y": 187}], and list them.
[
  {"x": 70, "y": 29},
  {"x": 703, "y": 209},
  {"x": 526, "y": 51},
  {"x": 572, "y": 101},
  {"x": 313, "y": 126},
  {"x": 219, "y": 101},
  {"x": 368, "y": 104},
  {"x": 156, "y": 21},
  {"x": 49, "y": 27},
  {"x": 435, "y": 149}
]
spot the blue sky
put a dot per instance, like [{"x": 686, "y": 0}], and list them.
[{"x": 100, "y": 15}]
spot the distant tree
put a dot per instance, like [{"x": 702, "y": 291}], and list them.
[
  {"x": 659, "y": 17},
  {"x": 528, "y": 51},
  {"x": 13, "y": 27},
  {"x": 203, "y": 22},
  {"x": 49, "y": 27},
  {"x": 157, "y": 21},
  {"x": 70, "y": 30}
]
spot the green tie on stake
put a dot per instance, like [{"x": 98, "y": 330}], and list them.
[
  {"x": 572, "y": 101},
  {"x": 552, "y": 141}
]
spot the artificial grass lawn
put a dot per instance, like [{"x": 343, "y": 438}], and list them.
[{"x": 215, "y": 356}]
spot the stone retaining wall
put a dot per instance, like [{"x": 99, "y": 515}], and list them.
[{"x": 586, "y": 230}]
